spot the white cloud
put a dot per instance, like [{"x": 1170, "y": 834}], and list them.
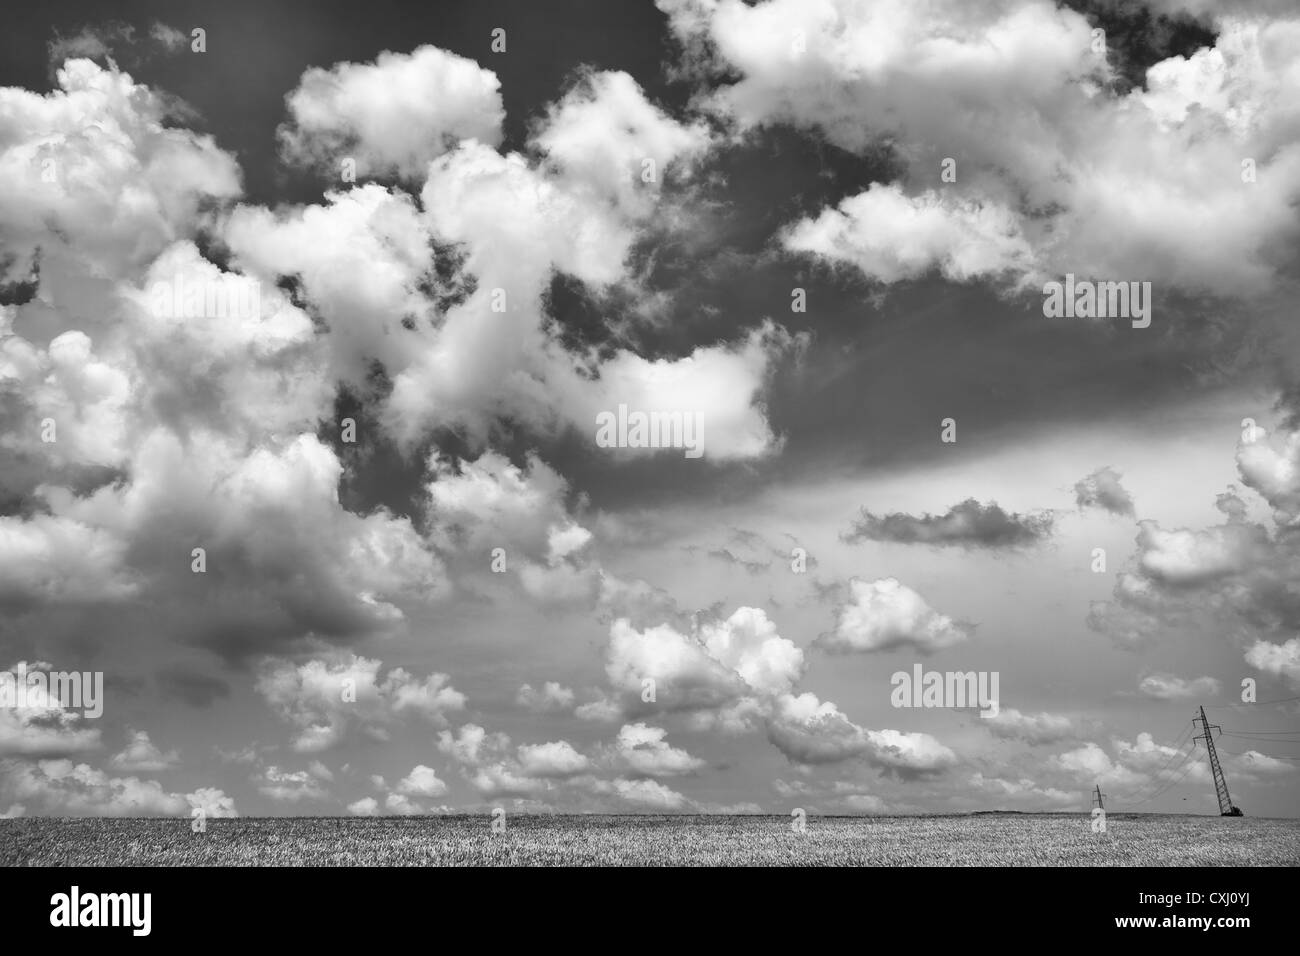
[
  {"x": 1185, "y": 557},
  {"x": 477, "y": 506},
  {"x": 1170, "y": 687},
  {"x": 325, "y": 700},
  {"x": 43, "y": 728},
  {"x": 1096, "y": 183},
  {"x": 49, "y": 559},
  {"x": 554, "y": 759},
  {"x": 722, "y": 385},
  {"x": 1274, "y": 473},
  {"x": 1044, "y": 728},
  {"x": 1023, "y": 789},
  {"x": 603, "y": 133},
  {"x": 885, "y": 615},
  {"x": 394, "y": 115},
  {"x": 644, "y": 750},
  {"x": 715, "y": 667},
  {"x": 289, "y": 785},
  {"x": 62, "y": 788},
  {"x": 810, "y": 731},
  {"x": 1280, "y": 660},
  {"x": 470, "y": 745},
  {"x": 365, "y": 807},
  {"x": 398, "y": 804},
  {"x": 891, "y": 236},
  {"x": 141, "y": 756},
  {"x": 213, "y": 802},
  {"x": 422, "y": 781},
  {"x": 504, "y": 779},
  {"x": 1136, "y": 766},
  {"x": 124, "y": 184}
]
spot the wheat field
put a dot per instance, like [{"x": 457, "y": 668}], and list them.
[{"x": 664, "y": 840}]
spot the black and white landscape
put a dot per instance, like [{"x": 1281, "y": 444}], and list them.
[{"x": 797, "y": 408}]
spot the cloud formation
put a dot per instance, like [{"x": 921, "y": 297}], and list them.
[{"x": 966, "y": 524}]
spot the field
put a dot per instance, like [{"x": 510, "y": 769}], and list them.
[{"x": 970, "y": 840}]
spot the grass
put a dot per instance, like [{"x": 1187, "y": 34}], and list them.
[{"x": 966, "y": 840}]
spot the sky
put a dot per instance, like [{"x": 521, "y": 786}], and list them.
[{"x": 344, "y": 533}]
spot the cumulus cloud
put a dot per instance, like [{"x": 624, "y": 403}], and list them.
[
  {"x": 1036, "y": 729},
  {"x": 1102, "y": 489},
  {"x": 720, "y": 666},
  {"x": 471, "y": 743},
  {"x": 811, "y": 731},
  {"x": 1279, "y": 660},
  {"x": 203, "y": 429},
  {"x": 392, "y": 116},
  {"x": 47, "y": 560},
  {"x": 180, "y": 431},
  {"x": 885, "y": 615},
  {"x": 1022, "y": 789},
  {"x": 736, "y": 674},
  {"x": 401, "y": 805},
  {"x": 141, "y": 756},
  {"x": 554, "y": 759},
  {"x": 646, "y": 751},
  {"x": 422, "y": 781},
  {"x": 1090, "y": 762},
  {"x": 891, "y": 236},
  {"x": 493, "y": 769},
  {"x": 326, "y": 700},
  {"x": 43, "y": 727},
  {"x": 1273, "y": 472},
  {"x": 1136, "y": 767},
  {"x": 606, "y": 135},
  {"x": 967, "y": 524},
  {"x": 722, "y": 385},
  {"x": 104, "y": 136},
  {"x": 1184, "y": 557},
  {"x": 1049, "y": 157},
  {"x": 213, "y": 802},
  {"x": 477, "y": 506},
  {"x": 1170, "y": 687},
  {"x": 289, "y": 786},
  {"x": 62, "y": 788},
  {"x": 237, "y": 401},
  {"x": 365, "y": 807},
  {"x": 454, "y": 306},
  {"x": 1241, "y": 573}
]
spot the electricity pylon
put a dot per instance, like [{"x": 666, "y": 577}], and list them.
[{"x": 1226, "y": 809}]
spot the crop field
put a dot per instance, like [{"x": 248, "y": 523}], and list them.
[{"x": 967, "y": 840}]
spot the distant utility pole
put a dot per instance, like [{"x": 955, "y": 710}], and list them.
[
  {"x": 1226, "y": 809},
  {"x": 1096, "y": 797}
]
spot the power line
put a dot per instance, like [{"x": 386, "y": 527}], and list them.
[
  {"x": 1168, "y": 786},
  {"x": 1159, "y": 785},
  {"x": 1259, "y": 753},
  {"x": 1255, "y": 703},
  {"x": 1179, "y": 743}
]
